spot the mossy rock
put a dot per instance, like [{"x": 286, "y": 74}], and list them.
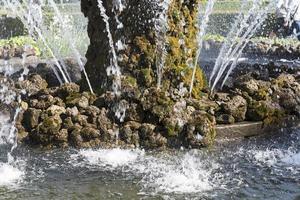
[{"x": 269, "y": 112}]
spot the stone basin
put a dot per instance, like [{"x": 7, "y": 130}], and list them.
[{"x": 251, "y": 129}]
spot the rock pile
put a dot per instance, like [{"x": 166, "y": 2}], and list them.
[
  {"x": 256, "y": 96},
  {"x": 65, "y": 116}
]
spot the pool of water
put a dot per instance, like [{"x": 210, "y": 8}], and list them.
[{"x": 257, "y": 168}]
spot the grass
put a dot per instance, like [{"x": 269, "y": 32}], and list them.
[
  {"x": 232, "y": 6},
  {"x": 70, "y": 8},
  {"x": 267, "y": 40},
  {"x": 227, "y": 6}
]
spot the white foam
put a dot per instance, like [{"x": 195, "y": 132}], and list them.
[
  {"x": 9, "y": 175},
  {"x": 160, "y": 173},
  {"x": 5, "y": 127},
  {"x": 111, "y": 157},
  {"x": 293, "y": 159},
  {"x": 268, "y": 157},
  {"x": 181, "y": 173},
  {"x": 186, "y": 175},
  {"x": 276, "y": 157}
]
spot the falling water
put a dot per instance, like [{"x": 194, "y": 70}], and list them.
[
  {"x": 8, "y": 131},
  {"x": 229, "y": 42},
  {"x": 114, "y": 68},
  {"x": 161, "y": 28},
  {"x": 203, "y": 27},
  {"x": 35, "y": 24},
  {"x": 118, "y": 8},
  {"x": 119, "y": 107},
  {"x": 248, "y": 26},
  {"x": 68, "y": 37},
  {"x": 33, "y": 21}
]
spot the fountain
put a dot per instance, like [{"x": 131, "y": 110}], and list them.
[
  {"x": 243, "y": 30},
  {"x": 203, "y": 26},
  {"x": 136, "y": 123}
]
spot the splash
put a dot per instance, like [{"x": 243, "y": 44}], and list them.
[
  {"x": 112, "y": 159},
  {"x": 186, "y": 175},
  {"x": 162, "y": 173},
  {"x": 9, "y": 175},
  {"x": 276, "y": 157},
  {"x": 292, "y": 159},
  {"x": 10, "y": 171}
]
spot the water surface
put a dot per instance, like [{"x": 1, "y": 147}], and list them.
[{"x": 257, "y": 168}]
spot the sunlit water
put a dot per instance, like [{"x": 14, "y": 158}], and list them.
[{"x": 261, "y": 168}]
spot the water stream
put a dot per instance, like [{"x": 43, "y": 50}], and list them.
[
  {"x": 32, "y": 17},
  {"x": 68, "y": 37},
  {"x": 244, "y": 28},
  {"x": 114, "y": 69},
  {"x": 202, "y": 30},
  {"x": 161, "y": 28}
]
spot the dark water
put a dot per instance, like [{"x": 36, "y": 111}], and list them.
[{"x": 258, "y": 168}]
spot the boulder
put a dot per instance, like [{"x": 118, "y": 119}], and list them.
[
  {"x": 50, "y": 125},
  {"x": 78, "y": 100},
  {"x": 129, "y": 133},
  {"x": 76, "y": 139},
  {"x": 236, "y": 107},
  {"x": 43, "y": 102},
  {"x": 264, "y": 111},
  {"x": 80, "y": 119},
  {"x": 89, "y": 133},
  {"x": 151, "y": 139},
  {"x": 225, "y": 119},
  {"x": 56, "y": 110},
  {"x": 62, "y": 137},
  {"x": 31, "y": 118},
  {"x": 199, "y": 130},
  {"x": 72, "y": 112},
  {"x": 67, "y": 89},
  {"x": 33, "y": 84}
]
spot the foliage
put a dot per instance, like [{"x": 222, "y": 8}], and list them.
[{"x": 21, "y": 41}]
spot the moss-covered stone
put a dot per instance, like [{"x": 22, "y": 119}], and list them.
[
  {"x": 266, "y": 111},
  {"x": 139, "y": 35}
]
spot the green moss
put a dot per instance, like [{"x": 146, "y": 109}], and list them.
[
  {"x": 145, "y": 77},
  {"x": 147, "y": 49},
  {"x": 50, "y": 122},
  {"x": 199, "y": 82},
  {"x": 262, "y": 94},
  {"x": 130, "y": 81},
  {"x": 210, "y": 138},
  {"x": 289, "y": 42},
  {"x": 70, "y": 100},
  {"x": 265, "y": 111}
]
